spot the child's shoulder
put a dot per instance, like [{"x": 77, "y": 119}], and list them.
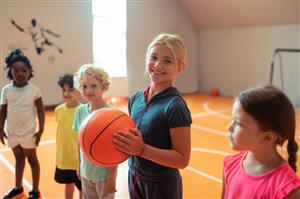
[
  {"x": 233, "y": 158},
  {"x": 82, "y": 107},
  {"x": 7, "y": 86},
  {"x": 60, "y": 106},
  {"x": 137, "y": 94},
  {"x": 285, "y": 178},
  {"x": 32, "y": 87},
  {"x": 285, "y": 170}
]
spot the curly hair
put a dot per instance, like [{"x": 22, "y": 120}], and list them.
[
  {"x": 89, "y": 69},
  {"x": 66, "y": 79},
  {"x": 13, "y": 57}
]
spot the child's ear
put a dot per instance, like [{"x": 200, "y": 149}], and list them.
[
  {"x": 270, "y": 137},
  {"x": 104, "y": 88},
  {"x": 181, "y": 67}
]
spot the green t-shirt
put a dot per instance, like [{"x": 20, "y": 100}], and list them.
[{"x": 88, "y": 170}]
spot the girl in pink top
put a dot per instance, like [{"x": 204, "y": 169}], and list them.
[{"x": 263, "y": 118}]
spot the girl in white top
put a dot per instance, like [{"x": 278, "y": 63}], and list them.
[{"x": 20, "y": 100}]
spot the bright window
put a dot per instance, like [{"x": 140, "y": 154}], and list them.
[{"x": 109, "y": 36}]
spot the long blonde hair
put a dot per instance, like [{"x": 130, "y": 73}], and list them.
[{"x": 175, "y": 43}]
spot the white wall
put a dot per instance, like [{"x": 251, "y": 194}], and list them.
[
  {"x": 230, "y": 59},
  {"x": 236, "y": 58},
  {"x": 145, "y": 19},
  {"x": 71, "y": 20}
]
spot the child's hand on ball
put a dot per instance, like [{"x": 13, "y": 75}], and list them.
[{"x": 131, "y": 144}]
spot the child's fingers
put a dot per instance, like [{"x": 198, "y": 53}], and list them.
[
  {"x": 135, "y": 131},
  {"x": 123, "y": 149},
  {"x": 121, "y": 141}
]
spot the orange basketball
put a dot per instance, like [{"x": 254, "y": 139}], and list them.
[{"x": 96, "y": 132}]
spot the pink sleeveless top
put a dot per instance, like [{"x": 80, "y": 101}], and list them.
[{"x": 275, "y": 184}]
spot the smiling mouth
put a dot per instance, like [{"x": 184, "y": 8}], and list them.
[{"x": 157, "y": 73}]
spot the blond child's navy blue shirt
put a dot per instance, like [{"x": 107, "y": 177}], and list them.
[{"x": 164, "y": 111}]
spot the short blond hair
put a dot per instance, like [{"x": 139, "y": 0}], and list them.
[
  {"x": 90, "y": 69},
  {"x": 175, "y": 43}
]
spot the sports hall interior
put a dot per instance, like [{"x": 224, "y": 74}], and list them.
[{"x": 231, "y": 46}]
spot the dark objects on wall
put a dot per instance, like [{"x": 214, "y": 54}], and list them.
[{"x": 39, "y": 36}]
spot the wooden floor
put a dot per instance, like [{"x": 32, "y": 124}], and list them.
[{"x": 201, "y": 179}]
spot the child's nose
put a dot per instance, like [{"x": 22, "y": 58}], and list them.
[
  {"x": 157, "y": 64},
  {"x": 230, "y": 127}
]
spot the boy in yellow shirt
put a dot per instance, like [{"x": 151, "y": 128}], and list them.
[{"x": 66, "y": 138}]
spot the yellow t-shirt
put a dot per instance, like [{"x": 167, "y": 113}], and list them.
[{"x": 66, "y": 138}]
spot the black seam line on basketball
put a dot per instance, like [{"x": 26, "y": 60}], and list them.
[{"x": 101, "y": 133}]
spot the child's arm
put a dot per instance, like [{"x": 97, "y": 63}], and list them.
[
  {"x": 295, "y": 194},
  {"x": 3, "y": 114},
  {"x": 223, "y": 188},
  {"x": 110, "y": 185},
  {"x": 79, "y": 162},
  {"x": 41, "y": 116},
  {"x": 177, "y": 157}
]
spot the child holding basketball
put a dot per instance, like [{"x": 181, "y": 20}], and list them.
[
  {"x": 19, "y": 102},
  {"x": 161, "y": 143},
  {"x": 66, "y": 138},
  {"x": 263, "y": 118},
  {"x": 97, "y": 182}
]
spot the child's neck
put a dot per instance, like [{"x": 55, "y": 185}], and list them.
[
  {"x": 257, "y": 164},
  {"x": 72, "y": 104},
  {"x": 158, "y": 88},
  {"x": 95, "y": 105},
  {"x": 19, "y": 85}
]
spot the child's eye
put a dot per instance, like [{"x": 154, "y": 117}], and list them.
[
  {"x": 84, "y": 86},
  {"x": 236, "y": 123},
  {"x": 152, "y": 57},
  {"x": 94, "y": 86},
  {"x": 167, "y": 61}
]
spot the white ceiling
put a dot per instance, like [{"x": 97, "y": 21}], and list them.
[{"x": 242, "y": 13}]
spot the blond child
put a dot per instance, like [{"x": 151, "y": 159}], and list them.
[
  {"x": 97, "y": 182},
  {"x": 161, "y": 143}
]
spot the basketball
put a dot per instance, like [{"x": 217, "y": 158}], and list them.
[{"x": 96, "y": 133}]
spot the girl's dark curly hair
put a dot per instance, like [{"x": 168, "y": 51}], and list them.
[{"x": 13, "y": 57}]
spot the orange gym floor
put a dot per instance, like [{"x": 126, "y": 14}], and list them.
[{"x": 201, "y": 179}]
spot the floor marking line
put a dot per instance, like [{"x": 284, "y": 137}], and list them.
[
  {"x": 12, "y": 169},
  {"x": 213, "y": 151},
  {"x": 216, "y": 113},
  {"x": 201, "y": 173},
  {"x": 209, "y": 130}
]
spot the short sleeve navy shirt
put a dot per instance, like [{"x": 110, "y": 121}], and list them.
[{"x": 164, "y": 111}]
